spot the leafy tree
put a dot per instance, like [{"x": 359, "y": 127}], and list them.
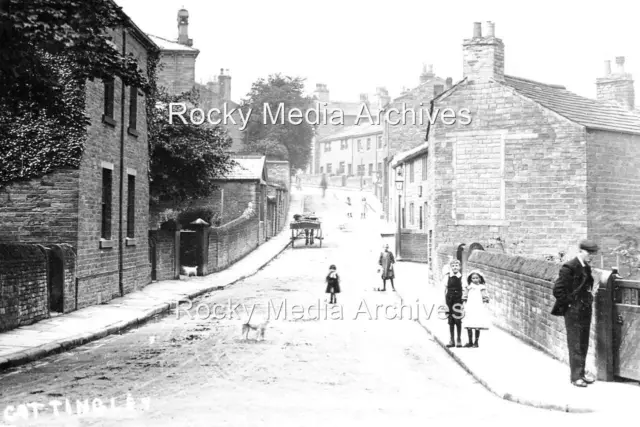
[
  {"x": 185, "y": 158},
  {"x": 295, "y": 138},
  {"x": 48, "y": 50}
]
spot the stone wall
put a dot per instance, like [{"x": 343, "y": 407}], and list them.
[
  {"x": 231, "y": 242},
  {"x": 236, "y": 196},
  {"x": 177, "y": 72},
  {"x": 517, "y": 171},
  {"x": 279, "y": 172},
  {"x": 23, "y": 285},
  {"x": 521, "y": 298}
]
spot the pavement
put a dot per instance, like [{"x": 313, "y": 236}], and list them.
[
  {"x": 506, "y": 365},
  {"x": 63, "y": 332}
]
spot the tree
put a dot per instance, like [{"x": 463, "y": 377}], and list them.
[
  {"x": 295, "y": 138},
  {"x": 185, "y": 158},
  {"x": 269, "y": 147},
  {"x": 48, "y": 50}
]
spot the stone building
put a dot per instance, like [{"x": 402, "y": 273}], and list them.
[
  {"x": 404, "y": 128},
  {"x": 100, "y": 209},
  {"x": 537, "y": 166},
  {"x": 353, "y": 114},
  {"x": 177, "y": 70},
  {"x": 353, "y": 151}
]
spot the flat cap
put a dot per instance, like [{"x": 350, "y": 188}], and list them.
[{"x": 589, "y": 246}]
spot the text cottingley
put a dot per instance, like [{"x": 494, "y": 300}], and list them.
[{"x": 320, "y": 115}]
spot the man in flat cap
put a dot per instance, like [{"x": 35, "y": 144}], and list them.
[{"x": 574, "y": 301}]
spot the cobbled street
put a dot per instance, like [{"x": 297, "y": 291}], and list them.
[{"x": 184, "y": 369}]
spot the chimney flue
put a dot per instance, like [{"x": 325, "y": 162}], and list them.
[
  {"x": 477, "y": 30},
  {"x": 607, "y": 67},
  {"x": 620, "y": 64},
  {"x": 448, "y": 83},
  {"x": 491, "y": 29}
]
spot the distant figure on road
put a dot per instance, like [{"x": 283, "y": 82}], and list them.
[
  {"x": 574, "y": 301},
  {"x": 323, "y": 184},
  {"x": 299, "y": 182},
  {"x": 349, "y": 208},
  {"x": 333, "y": 284},
  {"x": 386, "y": 262},
  {"x": 363, "y": 213}
]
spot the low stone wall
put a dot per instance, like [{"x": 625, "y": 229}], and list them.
[
  {"x": 23, "y": 285},
  {"x": 230, "y": 242},
  {"x": 521, "y": 298}
]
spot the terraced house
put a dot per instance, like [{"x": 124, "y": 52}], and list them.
[
  {"x": 537, "y": 164},
  {"x": 100, "y": 209}
]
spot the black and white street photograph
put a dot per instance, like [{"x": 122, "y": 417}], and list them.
[{"x": 345, "y": 213}]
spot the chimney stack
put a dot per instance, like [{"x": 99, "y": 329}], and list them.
[
  {"x": 620, "y": 64},
  {"x": 448, "y": 83},
  {"x": 616, "y": 87},
  {"x": 483, "y": 57},
  {"x": 321, "y": 92},
  {"x": 427, "y": 73},
  {"x": 477, "y": 30},
  {"x": 183, "y": 28},
  {"x": 224, "y": 83}
]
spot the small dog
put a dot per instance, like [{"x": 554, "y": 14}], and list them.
[
  {"x": 190, "y": 271},
  {"x": 258, "y": 327}
]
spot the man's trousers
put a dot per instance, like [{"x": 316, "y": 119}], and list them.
[{"x": 577, "y": 321}]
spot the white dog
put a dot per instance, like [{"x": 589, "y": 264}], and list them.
[
  {"x": 190, "y": 271},
  {"x": 258, "y": 324}
]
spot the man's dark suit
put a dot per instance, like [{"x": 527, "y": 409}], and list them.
[{"x": 577, "y": 308}]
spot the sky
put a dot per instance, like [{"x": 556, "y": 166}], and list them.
[{"x": 354, "y": 46}]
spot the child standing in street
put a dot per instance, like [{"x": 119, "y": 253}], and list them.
[
  {"x": 349, "y": 208},
  {"x": 475, "y": 299},
  {"x": 452, "y": 282},
  {"x": 333, "y": 284}
]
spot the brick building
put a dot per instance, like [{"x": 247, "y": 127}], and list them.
[
  {"x": 177, "y": 70},
  {"x": 101, "y": 209},
  {"x": 537, "y": 163}
]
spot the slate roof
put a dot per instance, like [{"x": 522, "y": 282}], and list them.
[
  {"x": 165, "y": 44},
  {"x": 248, "y": 168},
  {"x": 352, "y": 132},
  {"x": 587, "y": 112}
]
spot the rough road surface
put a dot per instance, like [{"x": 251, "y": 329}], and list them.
[{"x": 335, "y": 367}]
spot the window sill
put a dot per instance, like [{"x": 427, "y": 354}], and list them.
[
  {"x": 131, "y": 241},
  {"x": 107, "y": 244},
  {"x": 108, "y": 120},
  {"x": 131, "y": 131}
]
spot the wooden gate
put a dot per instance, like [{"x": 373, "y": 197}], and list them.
[
  {"x": 626, "y": 329},
  {"x": 153, "y": 253}
]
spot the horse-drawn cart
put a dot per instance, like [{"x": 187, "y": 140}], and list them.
[{"x": 307, "y": 227}]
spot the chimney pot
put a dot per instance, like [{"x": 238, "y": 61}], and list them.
[
  {"x": 491, "y": 29},
  {"x": 477, "y": 30},
  {"x": 449, "y": 83},
  {"x": 607, "y": 67},
  {"x": 221, "y": 72},
  {"x": 430, "y": 68}
]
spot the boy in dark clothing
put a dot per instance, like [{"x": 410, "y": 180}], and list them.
[{"x": 452, "y": 282}]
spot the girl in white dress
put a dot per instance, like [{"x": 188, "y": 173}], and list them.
[{"x": 475, "y": 298}]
